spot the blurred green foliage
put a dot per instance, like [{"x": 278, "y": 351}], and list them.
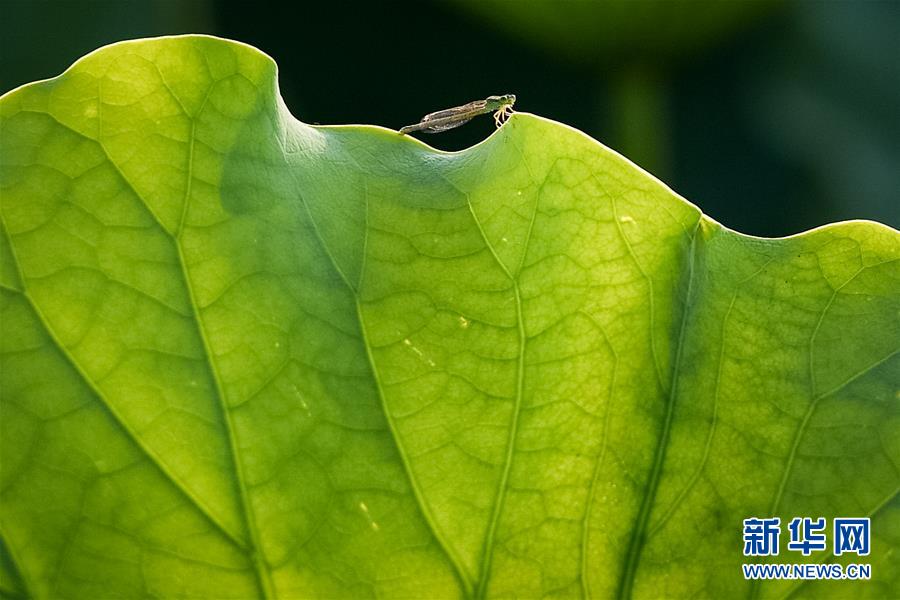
[
  {"x": 773, "y": 117},
  {"x": 611, "y": 31}
]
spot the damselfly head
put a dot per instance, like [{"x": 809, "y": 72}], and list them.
[{"x": 504, "y": 100}]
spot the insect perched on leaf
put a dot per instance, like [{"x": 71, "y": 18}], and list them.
[{"x": 443, "y": 120}]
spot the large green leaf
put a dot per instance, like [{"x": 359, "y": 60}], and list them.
[{"x": 246, "y": 357}]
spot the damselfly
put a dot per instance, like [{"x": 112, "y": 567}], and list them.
[{"x": 443, "y": 120}]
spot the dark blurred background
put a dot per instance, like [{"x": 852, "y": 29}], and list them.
[{"x": 772, "y": 116}]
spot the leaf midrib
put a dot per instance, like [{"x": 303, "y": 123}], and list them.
[
  {"x": 503, "y": 484},
  {"x": 260, "y": 568},
  {"x": 118, "y": 418},
  {"x": 460, "y": 571},
  {"x": 639, "y": 531}
]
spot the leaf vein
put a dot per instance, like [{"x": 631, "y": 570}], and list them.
[
  {"x": 639, "y": 534},
  {"x": 502, "y": 486},
  {"x": 459, "y": 571},
  {"x": 585, "y": 531},
  {"x": 120, "y": 421}
]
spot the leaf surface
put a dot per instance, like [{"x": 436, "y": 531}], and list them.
[{"x": 247, "y": 357}]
